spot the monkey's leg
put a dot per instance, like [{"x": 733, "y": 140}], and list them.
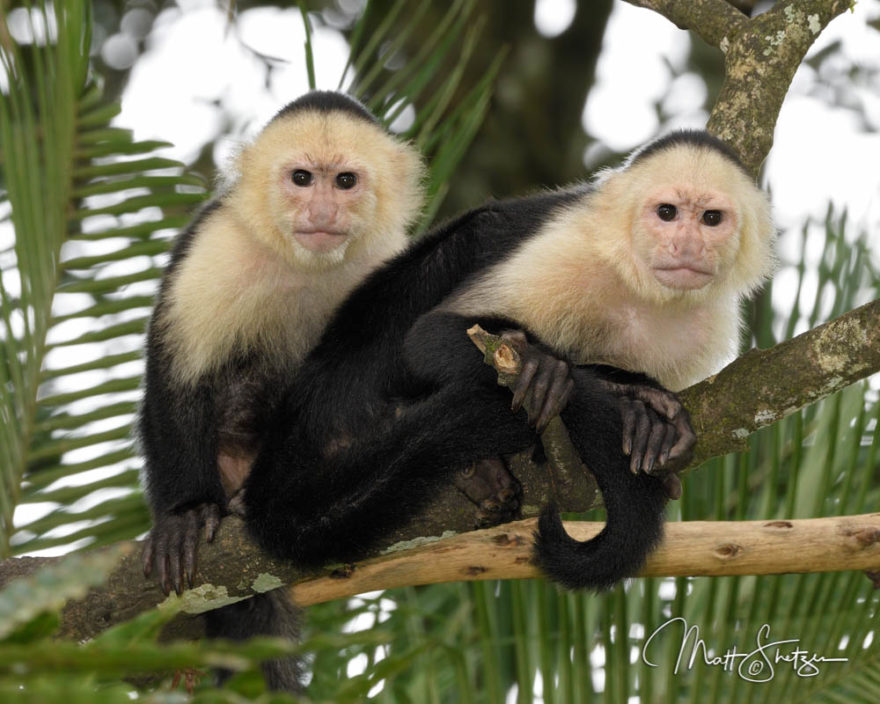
[
  {"x": 314, "y": 509},
  {"x": 542, "y": 388}
]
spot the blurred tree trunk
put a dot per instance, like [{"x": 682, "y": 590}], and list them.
[{"x": 542, "y": 117}]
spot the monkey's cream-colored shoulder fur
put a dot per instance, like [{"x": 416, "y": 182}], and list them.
[
  {"x": 233, "y": 295},
  {"x": 560, "y": 285}
]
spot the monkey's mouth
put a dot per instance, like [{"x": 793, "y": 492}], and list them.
[
  {"x": 685, "y": 278},
  {"x": 320, "y": 240}
]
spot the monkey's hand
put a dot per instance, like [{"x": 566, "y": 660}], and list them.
[
  {"x": 173, "y": 545},
  {"x": 657, "y": 432},
  {"x": 544, "y": 384}
]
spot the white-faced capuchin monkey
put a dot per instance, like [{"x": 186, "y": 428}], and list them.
[
  {"x": 319, "y": 199},
  {"x": 644, "y": 269}
]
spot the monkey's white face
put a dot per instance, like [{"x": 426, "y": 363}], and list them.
[
  {"x": 318, "y": 208},
  {"x": 323, "y": 189},
  {"x": 685, "y": 235}
]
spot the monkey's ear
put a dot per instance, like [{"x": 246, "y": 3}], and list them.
[
  {"x": 757, "y": 258},
  {"x": 406, "y": 186}
]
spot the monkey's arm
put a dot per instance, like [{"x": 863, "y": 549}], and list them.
[
  {"x": 178, "y": 435},
  {"x": 592, "y": 412}
]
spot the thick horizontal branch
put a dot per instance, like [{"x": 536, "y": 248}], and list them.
[
  {"x": 693, "y": 548},
  {"x": 762, "y": 387}
]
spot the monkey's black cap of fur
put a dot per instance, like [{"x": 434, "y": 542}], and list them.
[
  {"x": 327, "y": 101},
  {"x": 697, "y": 138}
]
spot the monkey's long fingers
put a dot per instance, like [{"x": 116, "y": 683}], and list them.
[
  {"x": 554, "y": 387},
  {"x": 190, "y": 546},
  {"x": 640, "y": 436},
  {"x": 557, "y": 400},
  {"x": 664, "y": 403},
  {"x": 175, "y": 568},
  {"x": 668, "y": 442},
  {"x": 628, "y": 415},
  {"x": 210, "y": 515},
  {"x": 654, "y": 445},
  {"x": 175, "y": 555},
  {"x": 147, "y": 556},
  {"x": 682, "y": 450},
  {"x": 524, "y": 383},
  {"x": 161, "y": 548}
]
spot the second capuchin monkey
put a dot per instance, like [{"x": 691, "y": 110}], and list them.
[
  {"x": 644, "y": 269},
  {"x": 320, "y": 198}
]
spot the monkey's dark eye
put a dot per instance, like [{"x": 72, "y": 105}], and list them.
[
  {"x": 346, "y": 180},
  {"x": 301, "y": 177},
  {"x": 712, "y": 217},
  {"x": 666, "y": 211}
]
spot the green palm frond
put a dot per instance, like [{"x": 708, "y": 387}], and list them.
[
  {"x": 85, "y": 202},
  {"x": 446, "y": 121}
]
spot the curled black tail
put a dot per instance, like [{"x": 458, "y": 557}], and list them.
[{"x": 633, "y": 528}]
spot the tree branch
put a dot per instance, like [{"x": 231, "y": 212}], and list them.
[
  {"x": 693, "y": 548},
  {"x": 761, "y": 56}
]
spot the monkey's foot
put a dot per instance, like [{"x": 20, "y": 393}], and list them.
[
  {"x": 544, "y": 384},
  {"x": 494, "y": 490},
  {"x": 173, "y": 544}
]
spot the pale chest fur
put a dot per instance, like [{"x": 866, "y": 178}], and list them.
[
  {"x": 231, "y": 297},
  {"x": 676, "y": 346}
]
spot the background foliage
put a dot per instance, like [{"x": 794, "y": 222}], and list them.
[{"x": 87, "y": 216}]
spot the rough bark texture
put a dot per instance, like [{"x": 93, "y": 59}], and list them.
[
  {"x": 688, "y": 549},
  {"x": 761, "y": 56}
]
